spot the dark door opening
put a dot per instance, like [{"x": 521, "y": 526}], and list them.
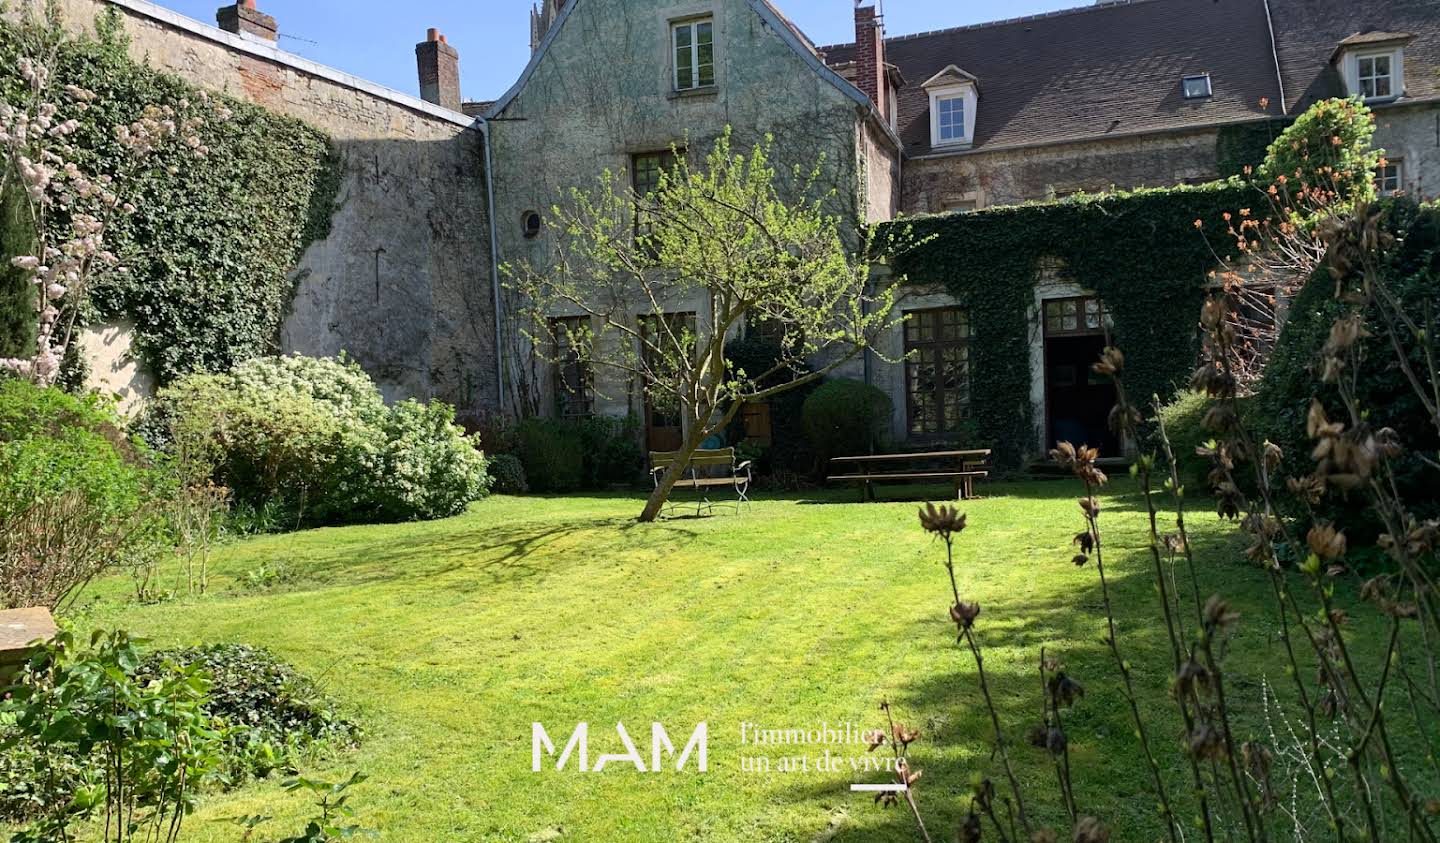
[{"x": 1077, "y": 400}]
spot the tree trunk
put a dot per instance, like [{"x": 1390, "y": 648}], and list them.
[{"x": 672, "y": 475}]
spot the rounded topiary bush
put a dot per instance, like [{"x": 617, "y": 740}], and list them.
[
  {"x": 1182, "y": 418},
  {"x": 845, "y": 417},
  {"x": 508, "y": 474}
]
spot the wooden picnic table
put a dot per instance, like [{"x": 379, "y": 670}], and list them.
[{"x": 972, "y": 464}]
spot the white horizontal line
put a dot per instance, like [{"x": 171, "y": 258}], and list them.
[{"x": 880, "y": 788}]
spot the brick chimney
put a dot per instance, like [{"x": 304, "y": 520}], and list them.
[
  {"x": 245, "y": 20},
  {"x": 439, "y": 65},
  {"x": 870, "y": 75}
]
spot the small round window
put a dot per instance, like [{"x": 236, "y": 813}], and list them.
[{"x": 531, "y": 224}]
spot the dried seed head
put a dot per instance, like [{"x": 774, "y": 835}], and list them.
[
  {"x": 969, "y": 829},
  {"x": 1090, "y": 830},
  {"x": 1326, "y": 542},
  {"x": 1207, "y": 743},
  {"x": 964, "y": 614},
  {"x": 1218, "y": 614},
  {"x": 942, "y": 520}
]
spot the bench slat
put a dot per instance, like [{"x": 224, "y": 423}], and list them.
[
  {"x": 706, "y": 483},
  {"x": 914, "y": 475}
]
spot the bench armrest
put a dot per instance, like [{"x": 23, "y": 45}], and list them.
[{"x": 744, "y": 466}]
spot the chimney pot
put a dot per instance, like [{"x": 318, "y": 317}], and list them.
[{"x": 439, "y": 66}]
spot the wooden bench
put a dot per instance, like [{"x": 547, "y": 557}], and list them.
[
  {"x": 964, "y": 468},
  {"x": 706, "y": 469}
]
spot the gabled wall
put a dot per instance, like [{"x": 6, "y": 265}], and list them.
[{"x": 601, "y": 91}]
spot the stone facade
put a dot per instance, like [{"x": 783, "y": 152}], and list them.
[
  {"x": 986, "y": 177},
  {"x": 402, "y": 283},
  {"x": 563, "y": 124}
]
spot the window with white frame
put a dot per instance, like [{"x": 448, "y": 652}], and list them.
[
  {"x": 693, "y": 43},
  {"x": 1388, "y": 179},
  {"x": 950, "y": 121},
  {"x": 1375, "y": 75},
  {"x": 1197, "y": 87},
  {"x": 953, "y": 97}
]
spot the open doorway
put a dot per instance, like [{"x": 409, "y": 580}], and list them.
[{"x": 1077, "y": 400}]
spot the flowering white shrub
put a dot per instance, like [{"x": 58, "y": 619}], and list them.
[{"x": 310, "y": 441}]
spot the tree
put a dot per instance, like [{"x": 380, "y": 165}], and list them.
[{"x": 711, "y": 250}]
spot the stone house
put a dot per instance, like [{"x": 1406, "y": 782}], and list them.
[
  {"x": 440, "y": 192},
  {"x": 1113, "y": 95}
]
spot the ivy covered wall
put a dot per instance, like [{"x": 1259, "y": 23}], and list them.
[
  {"x": 212, "y": 242},
  {"x": 1139, "y": 251}
]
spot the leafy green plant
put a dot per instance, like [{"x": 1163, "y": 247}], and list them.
[
  {"x": 1183, "y": 418},
  {"x": 845, "y": 417},
  {"x": 509, "y": 475},
  {"x": 553, "y": 453},
  {"x": 1138, "y": 250},
  {"x": 1328, "y": 147},
  {"x": 77, "y": 497},
  {"x": 273, "y": 712},
  {"x": 148, "y": 745},
  {"x": 329, "y": 824}
]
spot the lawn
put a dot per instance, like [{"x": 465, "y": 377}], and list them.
[{"x": 449, "y": 639}]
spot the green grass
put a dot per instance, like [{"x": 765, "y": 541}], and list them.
[{"x": 448, "y": 639}]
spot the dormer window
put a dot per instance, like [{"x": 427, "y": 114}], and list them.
[
  {"x": 954, "y": 95},
  {"x": 1373, "y": 65},
  {"x": 1197, "y": 87}
]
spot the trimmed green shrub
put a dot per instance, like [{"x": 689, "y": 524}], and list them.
[
  {"x": 1328, "y": 146},
  {"x": 509, "y": 475},
  {"x": 1182, "y": 418},
  {"x": 274, "y": 712},
  {"x": 310, "y": 441},
  {"x": 1412, "y": 273},
  {"x": 76, "y": 495},
  {"x": 845, "y": 417},
  {"x": 612, "y": 453},
  {"x": 553, "y": 453}
]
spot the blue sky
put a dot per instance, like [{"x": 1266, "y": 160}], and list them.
[{"x": 375, "y": 39}]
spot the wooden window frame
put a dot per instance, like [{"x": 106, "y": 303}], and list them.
[
  {"x": 1052, "y": 315},
  {"x": 926, "y": 344},
  {"x": 577, "y": 402}
]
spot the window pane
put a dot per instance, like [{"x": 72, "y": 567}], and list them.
[
  {"x": 1382, "y": 86},
  {"x": 937, "y": 372}
]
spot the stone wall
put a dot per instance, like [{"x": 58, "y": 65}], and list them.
[
  {"x": 1007, "y": 177},
  {"x": 1410, "y": 134},
  {"x": 402, "y": 283}
]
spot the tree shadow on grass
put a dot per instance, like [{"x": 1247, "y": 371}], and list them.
[{"x": 473, "y": 558}]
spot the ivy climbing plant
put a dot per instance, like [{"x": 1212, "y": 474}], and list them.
[
  {"x": 210, "y": 249},
  {"x": 1140, "y": 251}
]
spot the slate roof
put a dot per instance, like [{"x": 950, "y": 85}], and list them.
[
  {"x": 1096, "y": 71},
  {"x": 1307, "y": 33}
]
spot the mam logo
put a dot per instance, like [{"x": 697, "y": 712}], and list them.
[{"x": 579, "y": 745}]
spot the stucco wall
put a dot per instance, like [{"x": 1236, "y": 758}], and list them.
[
  {"x": 1411, "y": 134},
  {"x": 603, "y": 91},
  {"x": 1006, "y": 177},
  {"x": 402, "y": 283}
]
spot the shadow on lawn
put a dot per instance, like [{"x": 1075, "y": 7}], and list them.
[{"x": 474, "y": 558}]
